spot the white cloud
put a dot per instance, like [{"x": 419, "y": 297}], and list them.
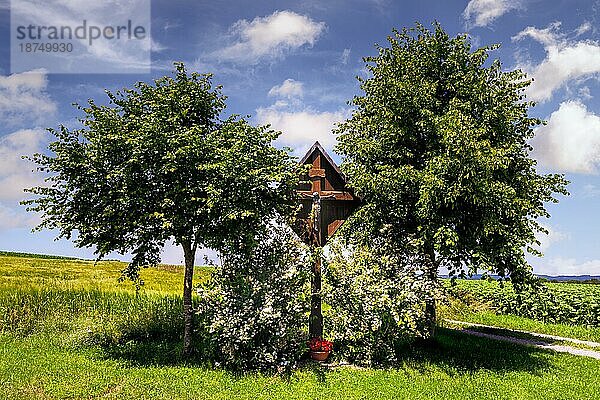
[
  {"x": 300, "y": 129},
  {"x": 270, "y": 37},
  {"x": 16, "y": 174},
  {"x": 590, "y": 190},
  {"x": 571, "y": 140},
  {"x": 105, "y": 55},
  {"x": 23, "y": 97},
  {"x": 585, "y": 93},
  {"x": 548, "y": 36},
  {"x": 288, "y": 89},
  {"x": 11, "y": 218},
  {"x": 484, "y": 12},
  {"x": 566, "y": 60},
  {"x": 168, "y": 25},
  {"x": 553, "y": 236},
  {"x": 583, "y": 28},
  {"x": 568, "y": 266},
  {"x": 345, "y": 56},
  {"x": 381, "y": 5}
]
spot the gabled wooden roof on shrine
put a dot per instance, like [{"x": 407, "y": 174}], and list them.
[
  {"x": 317, "y": 147},
  {"x": 325, "y": 181}
]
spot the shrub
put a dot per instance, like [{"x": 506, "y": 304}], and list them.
[
  {"x": 255, "y": 306},
  {"x": 376, "y": 302}
]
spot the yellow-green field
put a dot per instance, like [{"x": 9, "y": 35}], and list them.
[
  {"x": 41, "y": 273},
  {"x": 70, "y": 330}
]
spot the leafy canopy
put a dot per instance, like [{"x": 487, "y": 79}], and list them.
[
  {"x": 438, "y": 147},
  {"x": 158, "y": 163}
]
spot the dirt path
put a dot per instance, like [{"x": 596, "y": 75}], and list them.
[{"x": 542, "y": 344}]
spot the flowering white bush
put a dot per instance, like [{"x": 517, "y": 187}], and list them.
[
  {"x": 376, "y": 301},
  {"x": 255, "y": 306}
]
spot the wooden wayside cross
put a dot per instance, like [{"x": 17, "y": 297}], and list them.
[{"x": 326, "y": 204}]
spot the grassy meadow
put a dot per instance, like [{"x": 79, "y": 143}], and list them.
[{"x": 68, "y": 329}]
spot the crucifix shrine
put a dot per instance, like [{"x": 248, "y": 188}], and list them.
[{"x": 326, "y": 204}]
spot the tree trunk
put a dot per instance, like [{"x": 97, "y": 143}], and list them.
[
  {"x": 430, "y": 318},
  {"x": 430, "y": 312},
  {"x": 188, "y": 311}
]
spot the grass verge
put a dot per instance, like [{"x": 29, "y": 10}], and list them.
[
  {"x": 456, "y": 367},
  {"x": 529, "y": 325}
]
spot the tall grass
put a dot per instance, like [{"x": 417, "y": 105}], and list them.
[
  {"x": 84, "y": 304},
  {"x": 141, "y": 328},
  {"x": 34, "y": 310}
]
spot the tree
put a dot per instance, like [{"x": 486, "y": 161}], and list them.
[
  {"x": 158, "y": 164},
  {"x": 438, "y": 147}
]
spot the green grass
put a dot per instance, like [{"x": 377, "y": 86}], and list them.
[
  {"x": 529, "y": 325},
  {"x": 517, "y": 334},
  {"x": 19, "y": 272},
  {"x": 470, "y": 303},
  {"x": 458, "y": 367},
  {"x": 69, "y": 330}
]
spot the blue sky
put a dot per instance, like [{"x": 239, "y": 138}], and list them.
[{"x": 294, "y": 65}]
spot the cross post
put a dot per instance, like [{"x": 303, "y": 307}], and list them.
[{"x": 326, "y": 204}]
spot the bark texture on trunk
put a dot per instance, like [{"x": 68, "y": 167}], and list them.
[{"x": 189, "y": 253}]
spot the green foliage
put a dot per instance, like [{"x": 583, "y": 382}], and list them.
[
  {"x": 159, "y": 163},
  {"x": 556, "y": 303},
  {"x": 438, "y": 148},
  {"x": 374, "y": 302},
  {"x": 255, "y": 307}
]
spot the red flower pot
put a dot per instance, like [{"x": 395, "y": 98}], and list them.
[{"x": 319, "y": 355}]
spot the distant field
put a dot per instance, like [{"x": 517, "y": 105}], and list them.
[
  {"x": 68, "y": 329},
  {"x": 564, "y": 309},
  {"x": 19, "y": 271},
  {"x": 34, "y": 255}
]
